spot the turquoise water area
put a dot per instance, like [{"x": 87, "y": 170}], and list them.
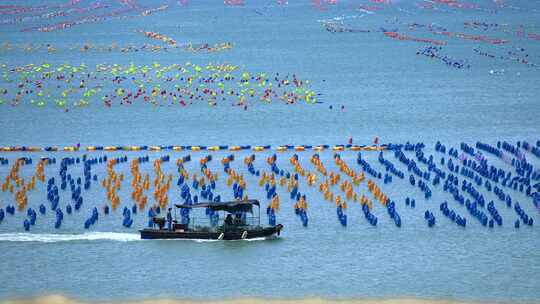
[{"x": 371, "y": 86}]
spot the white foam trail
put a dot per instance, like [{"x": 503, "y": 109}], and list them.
[
  {"x": 366, "y": 11},
  {"x": 53, "y": 238},
  {"x": 212, "y": 241},
  {"x": 93, "y": 236},
  {"x": 258, "y": 239}
]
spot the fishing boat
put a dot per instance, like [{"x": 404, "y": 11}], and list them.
[{"x": 235, "y": 226}]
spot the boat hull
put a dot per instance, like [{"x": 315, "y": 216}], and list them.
[{"x": 237, "y": 234}]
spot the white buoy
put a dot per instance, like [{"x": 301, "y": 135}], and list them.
[
  {"x": 220, "y": 237},
  {"x": 244, "y": 235}
]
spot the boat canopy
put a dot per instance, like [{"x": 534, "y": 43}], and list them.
[{"x": 231, "y": 207}]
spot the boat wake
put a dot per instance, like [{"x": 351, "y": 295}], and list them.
[
  {"x": 213, "y": 241},
  {"x": 93, "y": 236},
  {"x": 54, "y": 238}
]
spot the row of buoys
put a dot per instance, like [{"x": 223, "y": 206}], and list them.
[
  {"x": 271, "y": 216},
  {"x": 52, "y": 193},
  {"x": 112, "y": 183},
  {"x": 424, "y": 187},
  {"x": 440, "y": 147},
  {"x": 367, "y": 167},
  {"x": 471, "y": 175},
  {"x": 469, "y": 188},
  {"x": 391, "y": 209},
  {"x": 450, "y": 185},
  {"x": 434, "y": 53},
  {"x": 503, "y": 197},
  {"x": 126, "y": 48},
  {"x": 510, "y": 148},
  {"x": 123, "y": 12},
  {"x": 377, "y": 192},
  {"x": 157, "y": 148},
  {"x": 524, "y": 216},
  {"x": 534, "y": 150},
  {"x": 370, "y": 217},
  {"x": 59, "y": 218},
  {"x": 452, "y": 215},
  {"x": 10, "y": 209},
  {"x": 430, "y": 218},
  {"x": 467, "y": 149},
  {"x": 342, "y": 217},
  {"x": 489, "y": 149},
  {"x": 339, "y": 27},
  {"x": 410, "y": 202},
  {"x": 24, "y": 14},
  {"x": 92, "y": 219},
  {"x": 477, "y": 213},
  {"x": 518, "y": 57},
  {"x": 152, "y": 214},
  {"x": 494, "y": 214},
  {"x": 301, "y": 202},
  {"x": 302, "y": 213},
  {"x": 473, "y": 37},
  {"x": 158, "y": 36},
  {"x": 453, "y": 152},
  {"x": 127, "y": 221},
  {"x": 395, "y": 35},
  {"x": 482, "y": 25},
  {"x": 390, "y": 167},
  {"x": 31, "y": 221}
]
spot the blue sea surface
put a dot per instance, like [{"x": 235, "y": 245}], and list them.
[{"x": 370, "y": 85}]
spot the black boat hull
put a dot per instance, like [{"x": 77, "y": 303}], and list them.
[{"x": 236, "y": 234}]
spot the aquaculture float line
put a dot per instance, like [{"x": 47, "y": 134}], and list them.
[{"x": 199, "y": 148}]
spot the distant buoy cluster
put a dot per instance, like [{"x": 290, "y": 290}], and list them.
[
  {"x": 78, "y": 85},
  {"x": 434, "y": 53}
]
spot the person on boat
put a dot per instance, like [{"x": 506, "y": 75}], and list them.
[
  {"x": 169, "y": 219},
  {"x": 238, "y": 221},
  {"x": 229, "y": 220}
]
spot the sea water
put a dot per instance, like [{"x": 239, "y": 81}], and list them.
[{"x": 377, "y": 87}]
